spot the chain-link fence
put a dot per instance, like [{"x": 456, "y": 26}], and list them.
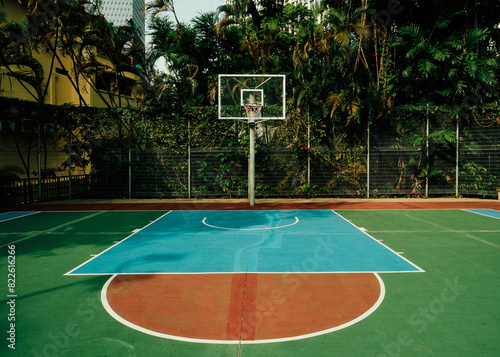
[{"x": 420, "y": 161}]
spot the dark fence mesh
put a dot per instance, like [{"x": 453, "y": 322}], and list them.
[
  {"x": 418, "y": 161},
  {"x": 479, "y": 160}
]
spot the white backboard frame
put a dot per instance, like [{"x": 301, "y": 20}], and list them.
[
  {"x": 261, "y": 91},
  {"x": 265, "y": 78}
]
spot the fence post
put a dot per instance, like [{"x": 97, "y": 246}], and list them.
[
  {"x": 25, "y": 191},
  {"x": 427, "y": 155},
  {"x": 457, "y": 159},
  {"x": 130, "y": 171},
  {"x": 39, "y": 158},
  {"x": 157, "y": 171},
  {"x": 189, "y": 158},
  {"x": 308, "y": 155},
  {"x": 368, "y": 162},
  {"x": 69, "y": 166}
]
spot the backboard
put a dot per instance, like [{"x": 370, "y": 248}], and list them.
[{"x": 236, "y": 90}]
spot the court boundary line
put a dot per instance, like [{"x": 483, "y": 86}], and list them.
[
  {"x": 133, "y": 326},
  {"x": 471, "y": 210},
  {"x": 147, "y": 210},
  {"x": 357, "y": 229},
  {"x": 260, "y": 272},
  {"x": 32, "y": 234},
  {"x": 420, "y": 270},
  {"x": 28, "y": 213},
  {"x": 460, "y": 232},
  {"x": 124, "y": 239},
  {"x": 481, "y": 240}
]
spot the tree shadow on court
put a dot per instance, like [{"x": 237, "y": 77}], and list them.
[
  {"x": 72, "y": 235},
  {"x": 147, "y": 260},
  {"x": 89, "y": 284}
]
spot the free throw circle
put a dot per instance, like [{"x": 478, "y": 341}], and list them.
[{"x": 242, "y": 308}]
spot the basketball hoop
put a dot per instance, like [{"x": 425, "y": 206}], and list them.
[
  {"x": 254, "y": 111},
  {"x": 252, "y": 91}
]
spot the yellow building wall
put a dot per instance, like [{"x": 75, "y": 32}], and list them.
[
  {"x": 27, "y": 142},
  {"x": 12, "y": 10},
  {"x": 60, "y": 91}
]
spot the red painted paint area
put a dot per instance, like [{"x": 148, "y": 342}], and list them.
[{"x": 247, "y": 307}]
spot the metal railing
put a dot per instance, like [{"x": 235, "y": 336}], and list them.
[{"x": 24, "y": 191}]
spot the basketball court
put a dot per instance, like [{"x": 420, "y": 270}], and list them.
[
  {"x": 343, "y": 278},
  {"x": 267, "y": 278}
]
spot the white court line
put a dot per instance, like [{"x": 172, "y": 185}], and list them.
[
  {"x": 24, "y": 215},
  {"x": 33, "y": 234},
  {"x": 470, "y": 210},
  {"x": 270, "y": 272},
  {"x": 482, "y": 241},
  {"x": 379, "y": 242},
  {"x": 134, "y": 232},
  {"x": 259, "y": 273},
  {"x": 248, "y": 229},
  {"x": 131, "y": 325}
]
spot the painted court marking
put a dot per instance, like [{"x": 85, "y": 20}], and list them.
[
  {"x": 135, "y": 231},
  {"x": 379, "y": 241},
  {"x": 232, "y": 269},
  {"x": 491, "y": 213},
  {"x": 482, "y": 240},
  {"x": 208, "y": 324},
  {"x": 33, "y": 234},
  {"x": 8, "y": 216},
  {"x": 242, "y": 321},
  {"x": 319, "y": 241},
  {"x": 485, "y": 212},
  {"x": 249, "y": 229}
]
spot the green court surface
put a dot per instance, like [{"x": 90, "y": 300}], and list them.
[{"x": 450, "y": 309}]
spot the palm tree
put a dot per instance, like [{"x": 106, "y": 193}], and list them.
[
  {"x": 176, "y": 47},
  {"x": 149, "y": 74},
  {"x": 257, "y": 34},
  {"x": 120, "y": 46}
]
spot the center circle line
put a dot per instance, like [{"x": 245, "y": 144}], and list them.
[{"x": 248, "y": 229}]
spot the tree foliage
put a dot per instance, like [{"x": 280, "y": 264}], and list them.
[{"x": 349, "y": 64}]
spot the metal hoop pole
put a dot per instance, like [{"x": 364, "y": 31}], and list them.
[
  {"x": 251, "y": 164},
  {"x": 253, "y": 113}
]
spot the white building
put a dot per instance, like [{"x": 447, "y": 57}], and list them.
[
  {"x": 307, "y": 3},
  {"x": 120, "y": 11}
]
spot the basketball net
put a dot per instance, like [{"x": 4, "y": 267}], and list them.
[{"x": 254, "y": 111}]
